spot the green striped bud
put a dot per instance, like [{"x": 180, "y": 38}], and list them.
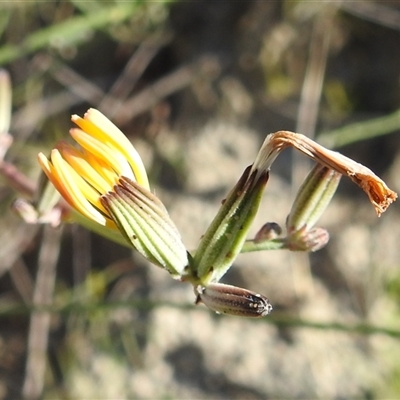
[
  {"x": 312, "y": 198},
  {"x": 224, "y": 238},
  {"x": 144, "y": 221}
]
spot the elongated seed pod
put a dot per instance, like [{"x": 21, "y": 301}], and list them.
[{"x": 232, "y": 300}]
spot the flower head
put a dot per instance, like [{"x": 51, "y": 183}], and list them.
[
  {"x": 83, "y": 176},
  {"x": 106, "y": 183}
]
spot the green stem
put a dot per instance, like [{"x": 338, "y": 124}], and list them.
[
  {"x": 272, "y": 244},
  {"x": 70, "y": 31},
  {"x": 359, "y": 328},
  {"x": 276, "y": 319},
  {"x": 360, "y": 131}
]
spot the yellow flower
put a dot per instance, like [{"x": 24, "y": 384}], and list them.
[
  {"x": 83, "y": 176},
  {"x": 106, "y": 185}
]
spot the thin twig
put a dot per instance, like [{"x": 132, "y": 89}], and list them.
[
  {"x": 22, "y": 280},
  {"x": 76, "y": 83},
  {"x": 314, "y": 76},
  {"x": 133, "y": 70},
  {"x": 28, "y": 118},
  {"x": 15, "y": 238},
  {"x": 149, "y": 97},
  {"x": 81, "y": 255},
  {"x": 40, "y": 320},
  {"x": 17, "y": 180}
]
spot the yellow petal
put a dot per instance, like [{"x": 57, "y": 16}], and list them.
[
  {"x": 97, "y": 124},
  {"x": 79, "y": 192},
  {"x": 78, "y": 162},
  {"x": 48, "y": 169},
  {"x": 104, "y": 152},
  {"x": 102, "y": 167}
]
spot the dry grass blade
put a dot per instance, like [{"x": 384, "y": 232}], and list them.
[
  {"x": 171, "y": 83},
  {"x": 40, "y": 320},
  {"x": 26, "y": 120},
  {"x": 314, "y": 77},
  {"x": 123, "y": 111},
  {"x": 76, "y": 83},
  {"x": 22, "y": 280},
  {"x": 307, "y": 120},
  {"x": 374, "y": 12},
  {"x": 131, "y": 74},
  {"x": 17, "y": 180}
]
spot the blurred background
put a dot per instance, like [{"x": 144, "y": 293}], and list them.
[{"x": 197, "y": 85}]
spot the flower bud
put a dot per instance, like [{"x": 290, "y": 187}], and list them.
[
  {"x": 307, "y": 239},
  {"x": 43, "y": 210},
  {"x": 143, "y": 220},
  {"x": 232, "y": 300},
  {"x": 224, "y": 238},
  {"x": 312, "y": 198},
  {"x": 270, "y": 230}
]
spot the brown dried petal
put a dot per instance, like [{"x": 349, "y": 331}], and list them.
[{"x": 377, "y": 190}]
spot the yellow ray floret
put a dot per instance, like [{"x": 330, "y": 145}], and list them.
[
  {"x": 77, "y": 160},
  {"x": 99, "y": 126},
  {"x": 83, "y": 176},
  {"x": 80, "y": 195},
  {"x": 103, "y": 168},
  {"x": 101, "y": 150}
]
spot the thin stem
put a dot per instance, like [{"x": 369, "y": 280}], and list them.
[
  {"x": 277, "y": 319},
  {"x": 361, "y": 131},
  {"x": 272, "y": 244}
]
